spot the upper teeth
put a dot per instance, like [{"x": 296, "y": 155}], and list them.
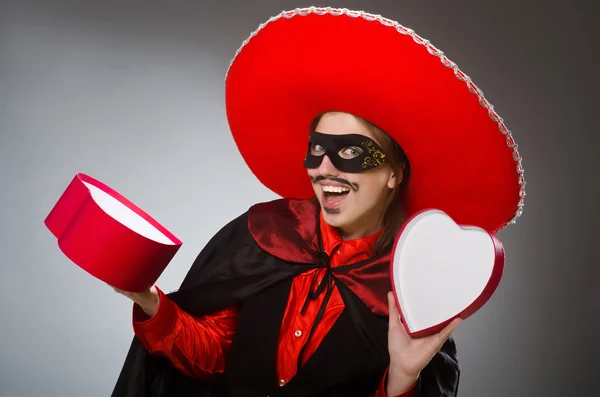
[{"x": 335, "y": 189}]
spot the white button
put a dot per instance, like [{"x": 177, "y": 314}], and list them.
[
  {"x": 281, "y": 383},
  {"x": 298, "y": 333}
]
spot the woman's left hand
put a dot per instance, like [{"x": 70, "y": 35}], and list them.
[{"x": 409, "y": 355}]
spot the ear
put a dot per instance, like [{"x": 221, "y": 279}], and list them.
[{"x": 395, "y": 178}]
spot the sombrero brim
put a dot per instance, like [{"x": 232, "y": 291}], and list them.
[{"x": 463, "y": 159}]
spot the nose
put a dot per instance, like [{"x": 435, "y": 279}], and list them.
[{"x": 327, "y": 168}]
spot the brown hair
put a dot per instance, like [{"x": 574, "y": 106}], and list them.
[{"x": 393, "y": 214}]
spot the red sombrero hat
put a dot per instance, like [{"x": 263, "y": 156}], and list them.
[{"x": 300, "y": 63}]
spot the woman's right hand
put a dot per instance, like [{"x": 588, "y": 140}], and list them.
[{"x": 147, "y": 300}]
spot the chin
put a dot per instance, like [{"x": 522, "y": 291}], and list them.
[{"x": 334, "y": 219}]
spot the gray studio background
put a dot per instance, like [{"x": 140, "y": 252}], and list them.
[{"x": 132, "y": 94}]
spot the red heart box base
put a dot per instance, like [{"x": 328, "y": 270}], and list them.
[{"x": 110, "y": 237}]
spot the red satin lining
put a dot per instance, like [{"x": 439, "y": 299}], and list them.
[
  {"x": 286, "y": 229},
  {"x": 370, "y": 283}
]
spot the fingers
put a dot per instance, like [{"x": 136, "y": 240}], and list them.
[
  {"x": 445, "y": 333},
  {"x": 120, "y": 291},
  {"x": 127, "y": 294}
]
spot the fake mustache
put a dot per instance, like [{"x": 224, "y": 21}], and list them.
[{"x": 320, "y": 178}]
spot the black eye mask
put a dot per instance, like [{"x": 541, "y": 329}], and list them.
[{"x": 319, "y": 145}]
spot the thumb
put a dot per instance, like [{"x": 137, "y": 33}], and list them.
[{"x": 394, "y": 320}]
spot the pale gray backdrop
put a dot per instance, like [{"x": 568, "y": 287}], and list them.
[{"x": 132, "y": 93}]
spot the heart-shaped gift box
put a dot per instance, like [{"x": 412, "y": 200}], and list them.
[
  {"x": 110, "y": 237},
  {"x": 441, "y": 270}
]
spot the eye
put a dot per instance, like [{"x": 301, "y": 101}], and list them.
[
  {"x": 316, "y": 149},
  {"x": 350, "y": 152}
]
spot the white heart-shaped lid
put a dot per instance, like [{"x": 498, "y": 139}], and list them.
[{"x": 441, "y": 270}]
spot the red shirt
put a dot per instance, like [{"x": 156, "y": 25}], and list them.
[{"x": 198, "y": 346}]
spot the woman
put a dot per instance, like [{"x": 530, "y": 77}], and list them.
[{"x": 292, "y": 297}]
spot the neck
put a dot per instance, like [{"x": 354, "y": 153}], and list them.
[
  {"x": 352, "y": 232},
  {"x": 369, "y": 223}
]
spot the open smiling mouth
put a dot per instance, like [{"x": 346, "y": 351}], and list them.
[{"x": 333, "y": 196}]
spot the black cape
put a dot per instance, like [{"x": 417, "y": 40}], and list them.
[{"x": 251, "y": 262}]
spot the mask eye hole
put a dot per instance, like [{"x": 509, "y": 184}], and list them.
[{"x": 350, "y": 152}]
